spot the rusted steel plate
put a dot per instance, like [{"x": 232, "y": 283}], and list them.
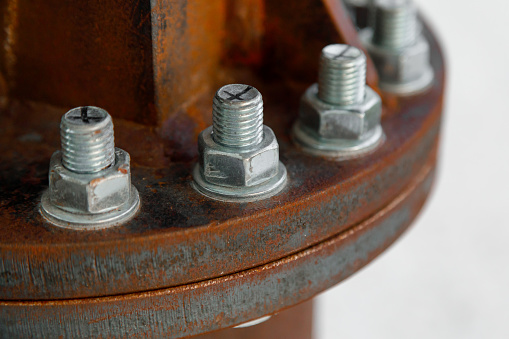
[
  {"x": 179, "y": 236},
  {"x": 227, "y": 301},
  {"x": 151, "y": 60}
]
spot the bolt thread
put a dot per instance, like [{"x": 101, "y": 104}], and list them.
[
  {"x": 87, "y": 140},
  {"x": 342, "y": 75},
  {"x": 395, "y": 23},
  {"x": 237, "y": 122}
]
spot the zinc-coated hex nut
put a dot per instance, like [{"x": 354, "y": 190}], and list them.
[
  {"x": 328, "y": 121},
  {"x": 404, "y": 71},
  {"x": 220, "y": 165},
  {"x": 90, "y": 193}
]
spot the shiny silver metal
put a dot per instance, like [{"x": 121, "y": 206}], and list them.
[
  {"x": 397, "y": 47},
  {"x": 87, "y": 140},
  {"x": 340, "y": 116},
  {"x": 239, "y": 156},
  {"x": 89, "y": 180},
  {"x": 342, "y": 75},
  {"x": 237, "y": 115}
]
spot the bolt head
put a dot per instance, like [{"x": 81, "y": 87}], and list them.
[
  {"x": 229, "y": 167},
  {"x": 340, "y": 122},
  {"x": 90, "y": 193}
]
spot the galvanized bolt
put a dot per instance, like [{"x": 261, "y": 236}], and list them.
[
  {"x": 89, "y": 180},
  {"x": 237, "y": 116},
  {"x": 340, "y": 116},
  {"x": 239, "y": 156},
  {"x": 342, "y": 75},
  {"x": 87, "y": 140},
  {"x": 395, "y": 23},
  {"x": 397, "y": 47}
]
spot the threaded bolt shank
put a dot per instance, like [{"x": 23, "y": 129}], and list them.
[
  {"x": 87, "y": 140},
  {"x": 237, "y": 116},
  {"x": 342, "y": 75},
  {"x": 395, "y": 23}
]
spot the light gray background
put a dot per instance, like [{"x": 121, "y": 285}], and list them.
[{"x": 448, "y": 277}]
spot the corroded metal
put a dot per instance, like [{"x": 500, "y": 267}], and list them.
[
  {"x": 180, "y": 236},
  {"x": 223, "y": 302},
  {"x": 187, "y": 264}
]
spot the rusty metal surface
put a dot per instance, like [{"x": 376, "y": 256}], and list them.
[
  {"x": 179, "y": 236},
  {"x": 188, "y": 265},
  {"x": 153, "y": 61},
  {"x": 227, "y": 301}
]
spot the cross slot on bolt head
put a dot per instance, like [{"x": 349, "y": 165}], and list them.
[
  {"x": 339, "y": 116},
  {"x": 239, "y": 156}
]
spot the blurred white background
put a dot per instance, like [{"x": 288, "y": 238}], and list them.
[{"x": 448, "y": 277}]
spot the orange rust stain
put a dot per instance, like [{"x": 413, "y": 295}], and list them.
[
  {"x": 96, "y": 181},
  {"x": 122, "y": 170},
  {"x": 197, "y": 116},
  {"x": 11, "y": 30},
  {"x": 195, "y": 34},
  {"x": 244, "y": 32}
]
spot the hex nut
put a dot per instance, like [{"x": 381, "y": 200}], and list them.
[
  {"x": 405, "y": 70},
  {"x": 90, "y": 193},
  {"x": 328, "y": 121},
  {"x": 243, "y": 168}
]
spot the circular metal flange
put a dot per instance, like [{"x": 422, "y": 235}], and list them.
[
  {"x": 234, "y": 299},
  {"x": 340, "y": 149},
  {"x": 88, "y": 221},
  {"x": 240, "y": 194},
  {"x": 180, "y": 236}
]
